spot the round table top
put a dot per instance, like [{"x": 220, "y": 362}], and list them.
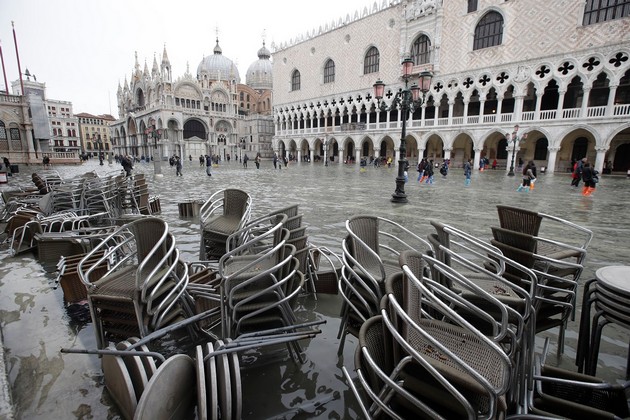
[{"x": 615, "y": 277}]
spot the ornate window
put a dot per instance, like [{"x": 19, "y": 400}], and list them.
[
  {"x": 295, "y": 80},
  {"x": 371, "y": 62},
  {"x": 489, "y": 31},
  {"x": 329, "y": 71},
  {"x": 596, "y": 11},
  {"x": 420, "y": 53}
]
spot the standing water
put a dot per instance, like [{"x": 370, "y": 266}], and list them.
[{"x": 45, "y": 383}]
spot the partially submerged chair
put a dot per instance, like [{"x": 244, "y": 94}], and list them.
[
  {"x": 370, "y": 255},
  {"x": 450, "y": 368},
  {"x": 224, "y": 213},
  {"x": 562, "y": 393},
  {"x": 144, "y": 287},
  {"x": 562, "y": 237}
]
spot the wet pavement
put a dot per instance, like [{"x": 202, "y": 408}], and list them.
[{"x": 46, "y": 384}]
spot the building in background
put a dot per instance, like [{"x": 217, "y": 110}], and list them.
[
  {"x": 94, "y": 132},
  {"x": 559, "y": 70},
  {"x": 210, "y": 113},
  {"x": 33, "y": 126},
  {"x": 64, "y": 129}
]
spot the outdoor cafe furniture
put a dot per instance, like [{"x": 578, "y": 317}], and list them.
[
  {"x": 607, "y": 298},
  {"x": 370, "y": 253},
  {"x": 225, "y": 212}
]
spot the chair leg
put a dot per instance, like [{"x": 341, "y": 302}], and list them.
[
  {"x": 560, "y": 350},
  {"x": 585, "y": 327},
  {"x": 591, "y": 367}
]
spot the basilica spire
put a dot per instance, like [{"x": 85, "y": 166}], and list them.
[
  {"x": 165, "y": 66},
  {"x": 155, "y": 71}
]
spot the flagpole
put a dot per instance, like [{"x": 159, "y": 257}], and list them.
[
  {"x": 18, "y": 58},
  {"x": 4, "y": 71}
]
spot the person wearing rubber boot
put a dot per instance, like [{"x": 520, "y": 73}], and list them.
[{"x": 590, "y": 178}]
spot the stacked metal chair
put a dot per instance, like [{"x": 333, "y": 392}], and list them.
[
  {"x": 431, "y": 361},
  {"x": 224, "y": 213},
  {"x": 144, "y": 288},
  {"x": 370, "y": 255}
]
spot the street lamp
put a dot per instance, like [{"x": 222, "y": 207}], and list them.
[
  {"x": 514, "y": 138},
  {"x": 157, "y": 160},
  {"x": 100, "y": 149},
  {"x": 326, "y": 150},
  {"x": 407, "y": 98}
]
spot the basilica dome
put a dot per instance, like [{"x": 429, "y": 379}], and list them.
[
  {"x": 218, "y": 67},
  {"x": 259, "y": 74}
]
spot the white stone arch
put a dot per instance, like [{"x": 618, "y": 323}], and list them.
[
  {"x": 615, "y": 132},
  {"x": 568, "y": 130}
]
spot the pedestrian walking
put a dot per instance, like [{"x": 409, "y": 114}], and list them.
[
  {"x": 257, "y": 160},
  {"x": 208, "y": 165},
  {"x": 127, "y": 165},
  {"x": 467, "y": 172},
  {"x": 590, "y": 177},
  {"x": 577, "y": 172},
  {"x": 178, "y": 166},
  {"x": 275, "y": 161},
  {"x": 444, "y": 169},
  {"x": 428, "y": 172},
  {"x": 245, "y": 159},
  {"x": 420, "y": 169},
  {"x": 528, "y": 175}
]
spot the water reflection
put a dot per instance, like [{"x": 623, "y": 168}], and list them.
[{"x": 49, "y": 385}]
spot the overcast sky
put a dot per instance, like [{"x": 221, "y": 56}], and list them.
[{"x": 82, "y": 49}]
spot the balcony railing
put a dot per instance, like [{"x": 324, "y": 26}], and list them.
[{"x": 569, "y": 115}]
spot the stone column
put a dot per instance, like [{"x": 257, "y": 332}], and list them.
[
  {"x": 599, "y": 159},
  {"x": 466, "y": 111},
  {"x": 518, "y": 108},
  {"x": 447, "y": 153},
  {"x": 311, "y": 154},
  {"x": 551, "y": 159},
  {"x": 477, "y": 159},
  {"x": 538, "y": 104},
  {"x": 610, "y": 106},
  {"x": 451, "y": 104},
  {"x": 585, "y": 97},
  {"x": 357, "y": 155},
  {"x": 499, "y": 108},
  {"x": 423, "y": 114},
  {"x": 560, "y": 106}
]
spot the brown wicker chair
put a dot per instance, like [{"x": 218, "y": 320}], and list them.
[
  {"x": 574, "y": 241},
  {"x": 144, "y": 287},
  {"x": 370, "y": 255},
  {"x": 224, "y": 213},
  {"x": 562, "y": 393},
  {"x": 456, "y": 370}
]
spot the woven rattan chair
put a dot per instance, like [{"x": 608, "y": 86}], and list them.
[
  {"x": 144, "y": 287},
  {"x": 562, "y": 237},
  {"x": 224, "y": 213},
  {"x": 557, "y": 283},
  {"x": 370, "y": 255},
  {"x": 456, "y": 368},
  {"x": 562, "y": 393}
]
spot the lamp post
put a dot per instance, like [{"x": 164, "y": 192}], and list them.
[
  {"x": 100, "y": 150},
  {"x": 326, "y": 150},
  {"x": 407, "y": 98},
  {"x": 157, "y": 160},
  {"x": 514, "y": 138}
]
